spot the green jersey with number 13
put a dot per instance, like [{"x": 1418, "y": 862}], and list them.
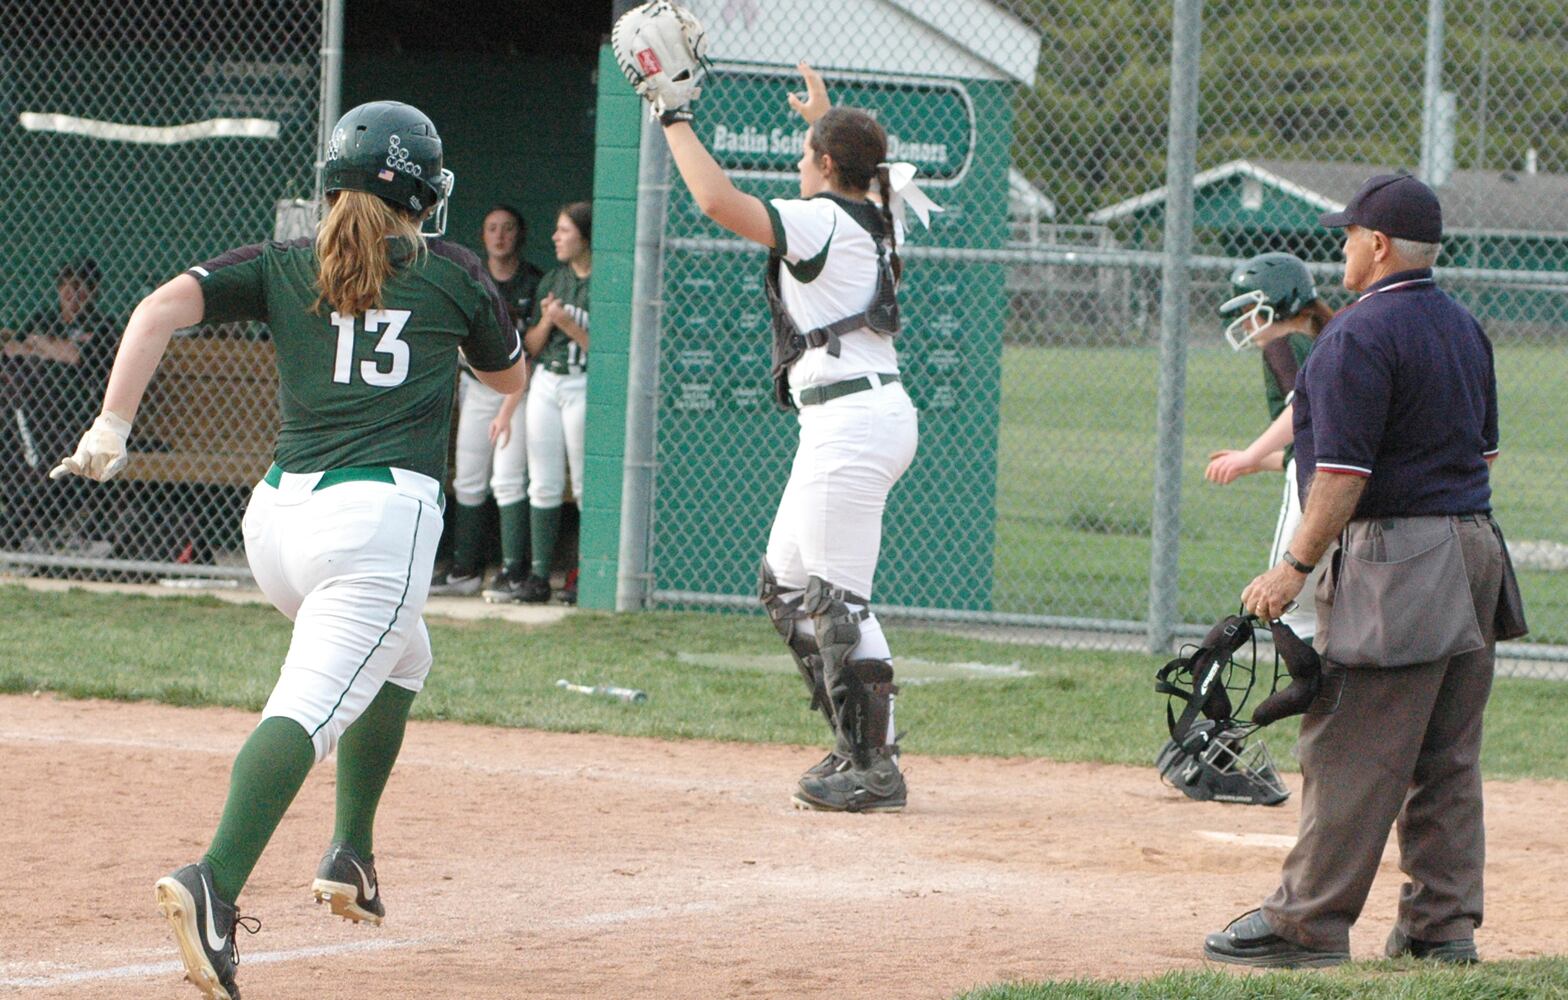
[{"x": 372, "y": 389}]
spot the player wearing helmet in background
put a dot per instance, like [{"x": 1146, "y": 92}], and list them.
[
  {"x": 367, "y": 318},
  {"x": 1274, "y": 306}
]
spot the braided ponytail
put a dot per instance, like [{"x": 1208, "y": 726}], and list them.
[{"x": 885, "y": 188}]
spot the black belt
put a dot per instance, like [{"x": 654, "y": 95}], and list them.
[
  {"x": 1479, "y": 517},
  {"x": 812, "y": 395},
  {"x": 556, "y": 368}
]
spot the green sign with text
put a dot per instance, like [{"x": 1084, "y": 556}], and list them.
[{"x": 929, "y": 123}]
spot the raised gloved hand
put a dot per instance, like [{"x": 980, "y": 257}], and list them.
[
  {"x": 661, "y": 49},
  {"x": 101, "y": 452}
]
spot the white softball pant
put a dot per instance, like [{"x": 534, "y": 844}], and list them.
[
  {"x": 350, "y": 564},
  {"x": 482, "y": 467},
  {"x": 829, "y": 523},
  {"x": 557, "y": 422},
  {"x": 1304, "y": 619}
]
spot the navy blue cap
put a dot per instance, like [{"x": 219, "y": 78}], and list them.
[{"x": 1396, "y": 205}]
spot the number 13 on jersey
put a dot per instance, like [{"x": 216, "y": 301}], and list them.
[{"x": 371, "y": 372}]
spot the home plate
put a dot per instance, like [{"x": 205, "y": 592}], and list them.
[
  {"x": 910, "y": 670},
  {"x": 1272, "y": 840}
]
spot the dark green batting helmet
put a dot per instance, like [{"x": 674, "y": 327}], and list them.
[
  {"x": 1270, "y": 286},
  {"x": 390, "y": 150}
]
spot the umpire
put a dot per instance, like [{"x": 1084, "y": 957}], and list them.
[{"x": 1395, "y": 432}]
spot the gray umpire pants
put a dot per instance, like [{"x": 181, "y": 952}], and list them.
[{"x": 1403, "y": 745}]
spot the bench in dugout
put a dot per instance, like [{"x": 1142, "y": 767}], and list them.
[{"x": 202, "y": 440}]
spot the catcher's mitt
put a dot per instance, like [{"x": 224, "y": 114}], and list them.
[{"x": 662, "y": 50}]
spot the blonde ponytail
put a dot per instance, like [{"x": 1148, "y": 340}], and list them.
[{"x": 353, "y": 258}]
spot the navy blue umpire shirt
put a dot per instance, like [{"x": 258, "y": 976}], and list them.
[{"x": 1400, "y": 389}]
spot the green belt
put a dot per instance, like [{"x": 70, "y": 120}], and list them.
[
  {"x": 815, "y": 394},
  {"x": 347, "y": 474},
  {"x": 556, "y": 368}
]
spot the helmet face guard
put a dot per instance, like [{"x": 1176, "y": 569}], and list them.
[
  {"x": 434, "y": 224},
  {"x": 1253, "y": 315},
  {"x": 1217, "y": 765}
]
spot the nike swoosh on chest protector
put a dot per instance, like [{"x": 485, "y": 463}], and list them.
[{"x": 807, "y": 270}]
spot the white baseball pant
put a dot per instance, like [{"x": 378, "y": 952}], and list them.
[
  {"x": 557, "y": 422},
  {"x": 482, "y": 467},
  {"x": 1304, "y": 619},
  {"x": 350, "y": 564},
  {"x": 829, "y": 523}
]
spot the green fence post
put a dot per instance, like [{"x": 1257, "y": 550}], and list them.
[{"x": 616, "y": 140}]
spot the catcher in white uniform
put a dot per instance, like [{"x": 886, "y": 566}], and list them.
[
  {"x": 832, "y": 279},
  {"x": 341, "y": 534}
]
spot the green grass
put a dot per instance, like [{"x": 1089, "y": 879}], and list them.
[
  {"x": 1406, "y": 979},
  {"x": 1076, "y": 480},
  {"x": 1078, "y": 706}
]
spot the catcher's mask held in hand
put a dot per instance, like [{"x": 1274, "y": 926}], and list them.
[
  {"x": 1207, "y": 758},
  {"x": 1211, "y": 675},
  {"x": 662, "y": 51}
]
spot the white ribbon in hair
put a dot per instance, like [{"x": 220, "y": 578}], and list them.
[{"x": 905, "y": 193}]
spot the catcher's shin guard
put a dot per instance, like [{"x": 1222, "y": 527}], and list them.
[
  {"x": 860, "y": 692},
  {"x": 786, "y": 615}
]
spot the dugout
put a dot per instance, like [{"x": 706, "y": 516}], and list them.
[
  {"x": 150, "y": 136},
  {"x": 941, "y": 79},
  {"x": 1492, "y": 220},
  {"x": 510, "y": 85}
]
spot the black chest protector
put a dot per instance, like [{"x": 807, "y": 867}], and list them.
[{"x": 881, "y": 316}]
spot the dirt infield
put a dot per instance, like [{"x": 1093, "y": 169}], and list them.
[{"x": 525, "y": 864}]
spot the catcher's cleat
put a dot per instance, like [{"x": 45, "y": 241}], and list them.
[
  {"x": 1249, "y": 940},
  {"x": 878, "y": 787},
  {"x": 203, "y": 927},
  {"x": 348, "y": 883},
  {"x": 831, "y": 764}
]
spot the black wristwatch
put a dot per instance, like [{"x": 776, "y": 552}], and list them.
[{"x": 1297, "y": 564}]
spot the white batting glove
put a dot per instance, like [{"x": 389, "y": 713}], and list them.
[{"x": 101, "y": 452}]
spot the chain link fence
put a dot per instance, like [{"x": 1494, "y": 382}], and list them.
[
  {"x": 1033, "y": 306},
  {"x": 143, "y": 138},
  {"x": 147, "y": 136}
]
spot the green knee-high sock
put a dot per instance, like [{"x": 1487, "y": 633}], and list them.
[
  {"x": 545, "y": 525},
  {"x": 468, "y": 531},
  {"x": 515, "y": 537},
  {"x": 268, "y": 773},
  {"x": 366, "y": 754}
]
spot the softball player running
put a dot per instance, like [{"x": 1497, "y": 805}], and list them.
[
  {"x": 1275, "y": 306},
  {"x": 832, "y": 276},
  {"x": 367, "y": 319},
  {"x": 557, "y": 339},
  {"x": 492, "y": 456}
]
